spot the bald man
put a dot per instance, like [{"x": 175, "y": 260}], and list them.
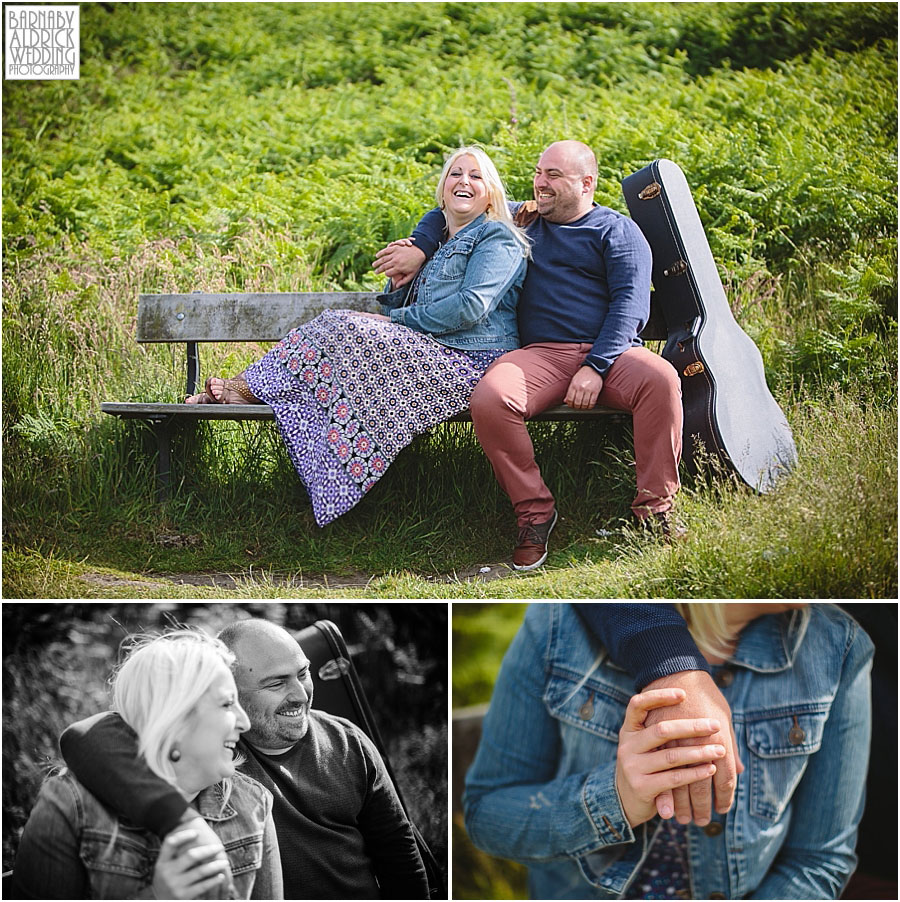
[
  {"x": 585, "y": 300},
  {"x": 342, "y": 832}
]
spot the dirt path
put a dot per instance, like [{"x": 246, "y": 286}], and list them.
[{"x": 232, "y": 581}]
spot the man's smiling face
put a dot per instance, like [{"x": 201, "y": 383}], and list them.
[
  {"x": 562, "y": 189},
  {"x": 275, "y": 688}
]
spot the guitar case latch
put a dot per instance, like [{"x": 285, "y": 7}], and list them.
[
  {"x": 676, "y": 269},
  {"x": 652, "y": 190},
  {"x": 693, "y": 369}
]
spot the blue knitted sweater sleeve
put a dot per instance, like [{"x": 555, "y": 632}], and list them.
[
  {"x": 429, "y": 233},
  {"x": 649, "y": 640}
]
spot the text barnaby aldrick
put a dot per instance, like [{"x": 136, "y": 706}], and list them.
[{"x": 42, "y": 42}]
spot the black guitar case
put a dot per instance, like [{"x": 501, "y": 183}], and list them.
[
  {"x": 338, "y": 690},
  {"x": 727, "y": 404}
]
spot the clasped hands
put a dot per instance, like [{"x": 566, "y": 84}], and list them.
[
  {"x": 399, "y": 261},
  {"x": 677, "y": 751},
  {"x": 192, "y": 863}
]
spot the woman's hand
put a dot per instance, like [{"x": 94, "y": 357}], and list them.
[
  {"x": 399, "y": 261},
  {"x": 187, "y": 872},
  {"x": 644, "y": 769}
]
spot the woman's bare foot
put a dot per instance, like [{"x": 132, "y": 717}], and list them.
[
  {"x": 229, "y": 391},
  {"x": 224, "y": 391}
]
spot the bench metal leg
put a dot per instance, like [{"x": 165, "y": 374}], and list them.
[{"x": 163, "y": 429}]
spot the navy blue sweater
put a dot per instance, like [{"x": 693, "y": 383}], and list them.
[
  {"x": 588, "y": 281},
  {"x": 649, "y": 640}
]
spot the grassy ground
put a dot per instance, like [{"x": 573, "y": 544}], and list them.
[
  {"x": 57, "y": 658},
  {"x": 826, "y": 532}
]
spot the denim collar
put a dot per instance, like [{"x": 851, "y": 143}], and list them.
[
  {"x": 769, "y": 644},
  {"x": 209, "y": 804},
  {"x": 469, "y": 225}
]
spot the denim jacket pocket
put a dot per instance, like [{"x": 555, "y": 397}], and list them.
[
  {"x": 780, "y": 747},
  {"x": 454, "y": 258},
  {"x": 119, "y": 869},
  {"x": 245, "y": 854},
  {"x": 587, "y": 706}
]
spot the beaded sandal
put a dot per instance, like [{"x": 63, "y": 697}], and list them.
[{"x": 238, "y": 385}]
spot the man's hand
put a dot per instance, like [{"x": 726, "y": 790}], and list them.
[
  {"x": 186, "y": 870},
  {"x": 399, "y": 261},
  {"x": 584, "y": 389},
  {"x": 703, "y": 699},
  {"x": 644, "y": 770}
]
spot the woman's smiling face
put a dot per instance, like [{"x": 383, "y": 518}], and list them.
[
  {"x": 465, "y": 193},
  {"x": 210, "y": 734}
]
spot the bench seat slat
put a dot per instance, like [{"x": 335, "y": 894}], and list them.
[{"x": 189, "y": 412}]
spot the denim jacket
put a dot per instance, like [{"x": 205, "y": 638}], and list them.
[
  {"x": 74, "y": 848},
  {"x": 468, "y": 291},
  {"x": 542, "y": 788}
]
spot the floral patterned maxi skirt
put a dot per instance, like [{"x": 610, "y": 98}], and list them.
[{"x": 350, "y": 392}]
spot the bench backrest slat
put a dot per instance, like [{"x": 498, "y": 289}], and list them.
[
  {"x": 262, "y": 317},
  {"x": 238, "y": 317}
]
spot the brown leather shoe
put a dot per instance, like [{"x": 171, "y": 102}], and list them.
[
  {"x": 664, "y": 524},
  {"x": 531, "y": 550}
]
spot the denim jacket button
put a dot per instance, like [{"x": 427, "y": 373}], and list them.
[
  {"x": 724, "y": 678},
  {"x": 714, "y": 828},
  {"x": 797, "y": 735},
  {"x": 586, "y": 711}
]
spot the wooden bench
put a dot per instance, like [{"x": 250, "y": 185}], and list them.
[{"x": 195, "y": 318}]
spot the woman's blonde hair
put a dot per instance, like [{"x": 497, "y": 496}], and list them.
[
  {"x": 159, "y": 684},
  {"x": 498, "y": 208},
  {"x": 706, "y": 623},
  {"x": 709, "y": 628}
]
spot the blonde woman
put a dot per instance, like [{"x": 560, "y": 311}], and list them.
[
  {"x": 576, "y": 798},
  {"x": 350, "y": 390},
  {"x": 177, "y": 693}
]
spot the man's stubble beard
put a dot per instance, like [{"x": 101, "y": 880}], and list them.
[{"x": 266, "y": 731}]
